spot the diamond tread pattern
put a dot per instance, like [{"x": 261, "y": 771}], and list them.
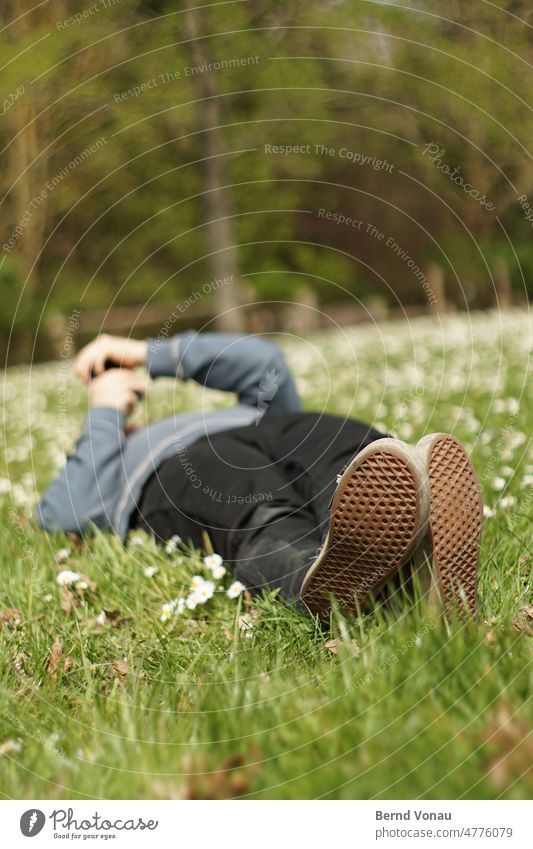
[
  {"x": 456, "y": 521},
  {"x": 374, "y": 522}
]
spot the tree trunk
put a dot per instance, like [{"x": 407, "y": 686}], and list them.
[
  {"x": 223, "y": 258},
  {"x": 502, "y": 280},
  {"x": 26, "y": 175},
  {"x": 28, "y": 196}
]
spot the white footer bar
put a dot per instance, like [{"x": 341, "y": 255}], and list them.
[{"x": 268, "y": 824}]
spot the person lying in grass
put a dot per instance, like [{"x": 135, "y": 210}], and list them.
[{"x": 317, "y": 506}]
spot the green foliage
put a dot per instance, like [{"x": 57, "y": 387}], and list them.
[{"x": 112, "y": 117}]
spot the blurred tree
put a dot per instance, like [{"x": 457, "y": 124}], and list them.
[
  {"x": 54, "y": 108},
  {"x": 223, "y": 260},
  {"x": 148, "y": 149}
]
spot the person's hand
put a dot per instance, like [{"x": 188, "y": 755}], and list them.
[
  {"x": 122, "y": 352},
  {"x": 118, "y": 388}
]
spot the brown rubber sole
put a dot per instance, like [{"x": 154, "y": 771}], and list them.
[
  {"x": 379, "y": 513},
  {"x": 455, "y": 520}
]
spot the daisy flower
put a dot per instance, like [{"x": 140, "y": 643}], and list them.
[
  {"x": 498, "y": 484},
  {"x": 150, "y": 571},
  {"x": 172, "y": 544},
  {"x": 235, "y": 590},
  {"x": 66, "y": 577},
  {"x": 246, "y": 625},
  {"x": 191, "y": 601},
  {"x": 214, "y": 564},
  {"x": 167, "y": 610},
  {"x": 8, "y": 746},
  {"x": 138, "y": 541},
  {"x": 204, "y": 592},
  {"x": 212, "y": 561},
  {"x": 62, "y": 554},
  {"x": 197, "y": 581}
]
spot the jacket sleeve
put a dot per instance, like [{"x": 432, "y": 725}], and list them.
[
  {"x": 91, "y": 478},
  {"x": 252, "y": 367}
]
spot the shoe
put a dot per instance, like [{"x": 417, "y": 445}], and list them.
[
  {"x": 379, "y": 514},
  {"x": 455, "y": 519}
]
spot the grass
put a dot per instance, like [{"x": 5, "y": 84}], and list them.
[{"x": 400, "y": 705}]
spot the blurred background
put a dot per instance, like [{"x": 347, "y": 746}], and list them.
[{"x": 260, "y": 166}]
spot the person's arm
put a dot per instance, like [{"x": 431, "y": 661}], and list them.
[
  {"x": 79, "y": 493},
  {"x": 254, "y": 368},
  {"x": 88, "y": 484},
  {"x": 250, "y": 366}
]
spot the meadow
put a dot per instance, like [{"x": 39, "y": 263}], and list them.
[{"x": 111, "y": 687}]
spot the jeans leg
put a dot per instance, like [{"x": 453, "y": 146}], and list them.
[
  {"x": 232, "y": 491},
  {"x": 311, "y": 450},
  {"x": 277, "y": 551}
]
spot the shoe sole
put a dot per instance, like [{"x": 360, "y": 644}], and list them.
[
  {"x": 379, "y": 513},
  {"x": 455, "y": 519}
]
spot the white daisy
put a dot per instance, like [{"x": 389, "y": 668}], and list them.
[
  {"x": 138, "y": 541},
  {"x": 218, "y": 572},
  {"x": 212, "y": 561},
  {"x": 62, "y": 554},
  {"x": 204, "y": 592},
  {"x": 8, "y": 746},
  {"x": 172, "y": 544},
  {"x": 235, "y": 590},
  {"x": 191, "y": 601},
  {"x": 498, "y": 484},
  {"x": 246, "y": 625},
  {"x": 197, "y": 581},
  {"x": 507, "y": 501},
  {"x": 66, "y": 577},
  {"x": 488, "y": 512},
  {"x": 167, "y": 610},
  {"x": 150, "y": 571}
]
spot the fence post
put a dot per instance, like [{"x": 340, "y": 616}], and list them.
[
  {"x": 303, "y": 314},
  {"x": 436, "y": 295},
  {"x": 502, "y": 281},
  {"x": 56, "y": 327}
]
